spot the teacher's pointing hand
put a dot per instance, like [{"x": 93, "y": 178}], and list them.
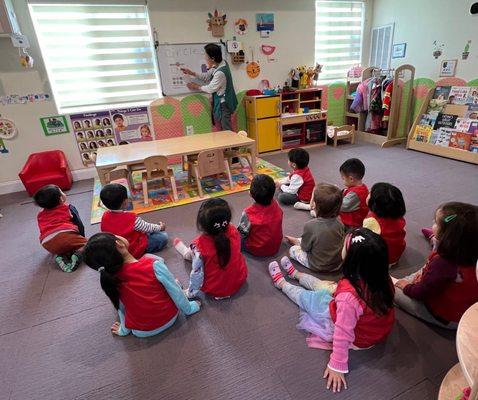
[
  {"x": 193, "y": 86},
  {"x": 187, "y": 71}
]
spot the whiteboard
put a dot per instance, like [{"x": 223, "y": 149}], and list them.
[{"x": 172, "y": 57}]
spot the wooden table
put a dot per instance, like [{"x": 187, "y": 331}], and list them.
[
  {"x": 109, "y": 158},
  {"x": 467, "y": 344}
]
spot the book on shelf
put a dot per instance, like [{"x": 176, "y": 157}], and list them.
[
  {"x": 474, "y": 142},
  {"x": 472, "y": 111},
  {"x": 439, "y": 99},
  {"x": 434, "y": 137},
  {"x": 473, "y": 96},
  {"x": 473, "y": 127},
  {"x": 459, "y": 94},
  {"x": 445, "y": 121},
  {"x": 443, "y": 138},
  {"x": 422, "y": 133},
  {"x": 460, "y": 140},
  {"x": 429, "y": 119},
  {"x": 463, "y": 124}
]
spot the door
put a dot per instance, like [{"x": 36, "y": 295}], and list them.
[
  {"x": 268, "y": 135},
  {"x": 263, "y": 107}
]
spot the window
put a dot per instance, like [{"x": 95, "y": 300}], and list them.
[
  {"x": 381, "y": 47},
  {"x": 338, "y": 37},
  {"x": 97, "y": 55}
]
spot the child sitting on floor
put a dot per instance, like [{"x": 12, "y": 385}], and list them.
[
  {"x": 261, "y": 223},
  {"x": 357, "y": 312},
  {"x": 144, "y": 292},
  {"x": 385, "y": 218},
  {"x": 319, "y": 248},
  {"x": 299, "y": 185},
  {"x": 446, "y": 286},
  {"x": 354, "y": 205},
  {"x": 218, "y": 267},
  {"x": 143, "y": 237},
  {"x": 61, "y": 231}
]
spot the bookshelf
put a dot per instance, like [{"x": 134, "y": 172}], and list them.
[{"x": 430, "y": 148}]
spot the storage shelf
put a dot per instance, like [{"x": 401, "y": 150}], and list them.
[
  {"x": 290, "y": 101},
  {"x": 310, "y": 101},
  {"x": 353, "y": 115},
  {"x": 350, "y": 97},
  {"x": 296, "y": 135}
]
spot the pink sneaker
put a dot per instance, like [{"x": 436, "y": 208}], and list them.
[{"x": 428, "y": 233}]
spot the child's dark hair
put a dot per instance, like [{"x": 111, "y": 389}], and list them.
[
  {"x": 214, "y": 52},
  {"x": 263, "y": 189},
  {"x": 113, "y": 195},
  {"x": 101, "y": 252},
  {"x": 328, "y": 200},
  {"x": 457, "y": 232},
  {"x": 366, "y": 268},
  {"x": 299, "y": 157},
  {"x": 353, "y": 167},
  {"x": 214, "y": 217},
  {"x": 118, "y": 116},
  {"x": 47, "y": 197},
  {"x": 386, "y": 201}
]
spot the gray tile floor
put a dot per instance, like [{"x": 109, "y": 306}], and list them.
[{"x": 54, "y": 333}]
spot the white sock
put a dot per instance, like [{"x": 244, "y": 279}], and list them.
[
  {"x": 182, "y": 249},
  {"x": 302, "y": 206},
  {"x": 313, "y": 214}
]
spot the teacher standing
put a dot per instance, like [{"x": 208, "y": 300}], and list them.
[{"x": 218, "y": 82}]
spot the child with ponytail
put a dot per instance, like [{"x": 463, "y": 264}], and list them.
[
  {"x": 218, "y": 267},
  {"x": 144, "y": 292}
]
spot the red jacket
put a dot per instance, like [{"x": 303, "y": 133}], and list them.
[
  {"x": 452, "y": 297},
  {"x": 393, "y": 232},
  {"x": 55, "y": 220},
  {"x": 147, "y": 304},
  {"x": 222, "y": 282},
  {"x": 305, "y": 191},
  {"x": 122, "y": 224},
  {"x": 265, "y": 234},
  {"x": 370, "y": 329},
  {"x": 355, "y": 218}
]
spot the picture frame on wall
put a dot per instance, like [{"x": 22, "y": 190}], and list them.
[
  {"x": 399, "y": 50},
  {"x": 448, "y": 68}
]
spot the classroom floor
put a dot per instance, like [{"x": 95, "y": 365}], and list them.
[{"x": 54, "y": 332}]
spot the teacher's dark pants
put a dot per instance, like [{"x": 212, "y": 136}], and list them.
[{"x": 226, "y": 124}]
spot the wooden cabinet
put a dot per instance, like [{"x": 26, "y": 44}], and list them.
[
  {"x": 266, "y": 132},
  {"x": 262, "y": 107}
]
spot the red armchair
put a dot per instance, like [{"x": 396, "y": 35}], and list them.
[{"x": 45, "y": 168}]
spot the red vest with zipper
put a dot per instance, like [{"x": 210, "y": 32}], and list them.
[
  {"x": 222, "y": 282},
  {"x": 265, "y": 234},
  {"x": 393, "y": 232},
  {"x": 355, "y": 218},
  {"x": 55, "y": 220},
  {"x": 147, "y": 304},
  {"x": 459, "y": 295},
  {"x": 305, "y": 191},
  {"x": 370, "y": 329},
  {"x": 122, "y": 224}
]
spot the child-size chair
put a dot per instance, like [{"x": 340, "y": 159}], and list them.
[
  {"x": 208, "y": 163},
  {"x": 46, "y": 168},
  {"x": 341, "y": 133},
  {"x": 157, "y": 167},
  {"x": 238, "y": 152}
]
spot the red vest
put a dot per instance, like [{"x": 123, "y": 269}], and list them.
[
  {"x": 54, "y": 220},
  {"x": 452, "y": 302},
  {"x": 147, "y": 304},
  {"x": 307, "y": 188},
  {"x": 370, "y": 329},
  {"x": 355, "y": 218},
  {"x": 393, "y": 232},
  {"x": 122, "y": 224},
  {"x": 222, "y": 282},
  {"x": 265, "y": 235}
]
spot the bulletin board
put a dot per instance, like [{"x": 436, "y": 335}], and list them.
[{"x": 172, "y": 57}]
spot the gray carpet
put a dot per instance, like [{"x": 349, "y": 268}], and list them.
[{"x": 54, "y": 333}]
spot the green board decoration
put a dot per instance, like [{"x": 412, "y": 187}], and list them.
[
  {"x": 473, "y": 82},
  {"x": 241, "y": 111},
  {"x": 421, "y": 87},
  {"x": 196, "y": 112},
  {"x": 336, "y": 103},
  {"x": 402, "y": 130}
]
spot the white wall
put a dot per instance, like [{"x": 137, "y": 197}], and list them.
[
  {"x": 420, "y": 22},
  {"x": 176, "y": 21}
]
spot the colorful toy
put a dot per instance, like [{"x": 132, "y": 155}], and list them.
[
  {"x": 294, "y": 78},
  {"x": 313, "y": 75},
  {"x": 241, "y": 26},
  {"x": 302, "y": 76},
  {"x": 216, "y": 24},
  {"x": 253, "y": 69}
]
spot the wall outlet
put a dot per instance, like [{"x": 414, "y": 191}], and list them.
[{"x": 189, "y": 130}]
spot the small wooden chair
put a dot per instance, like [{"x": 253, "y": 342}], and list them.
[
  {"x": 343, "y": 132},
  {"x": 208, "y": 163},
  {"x": 157, "y": 167},
  {"x": 238, "y": 152}
]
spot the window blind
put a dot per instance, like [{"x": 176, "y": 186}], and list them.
[
  {"x": 338, "y": 37},
  {"x": 381, "y": 46},
  {"x": 96, "y": 54}
]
